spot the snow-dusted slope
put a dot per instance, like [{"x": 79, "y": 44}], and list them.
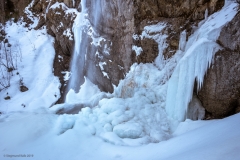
[{"x": 34, "y": 68}]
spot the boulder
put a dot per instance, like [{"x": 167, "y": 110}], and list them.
[
  {"x": 23, "y": 88},
  {"x": 220, "y": 93},
  {"x": 7, "y": 98}
]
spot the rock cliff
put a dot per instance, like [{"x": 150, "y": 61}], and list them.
[
  {"x": 220, "y": 93},
  {"x": 12, "y": 9}
]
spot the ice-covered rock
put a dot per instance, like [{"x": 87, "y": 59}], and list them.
[{"x": 128, "y": 130}]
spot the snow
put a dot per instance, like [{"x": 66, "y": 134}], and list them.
[
  {"x": 58, "y": 5},
  {"x": 67, "y": 75},
  {"x": 101, "y": 64},
  {"x": 37, "y": 53},
  {"x": 156, "y": 28},
  {"x": 129, "y": 130},
  {"x": 68, "y": 34},
  {"x": 156, "y": 33},
  {"x": 71, "y": 11},
  {"x": 120, "y": 67},
  {"x": 137, "y": 50},
  {"x": 145, "y": 117},
  {"x": 183, "y": 39},
  {"x": 66, "y": 136},
  {"x": 30, "y": 15},
  {"x": 135, "y": 37},
  {"x": 87, "y": 90},
  {"x": 105, "y": 74},
  {"x": 135, "y": 103},
  {"x": 195, "y": 109},
  {"x": 132, "y": 111}
]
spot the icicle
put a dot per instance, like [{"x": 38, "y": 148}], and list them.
[
  {"x": 206, "y": 14},
  {"x": 47, "y": 9},
  {"x": 83, "y": 6},
  {"x": 227, "y": 2},
  {"x": 73, "y": 3},
  {"x": 96, "y": 10},
  {"x": 195, "y": 109},
  {"x": 182, "y": 41}
]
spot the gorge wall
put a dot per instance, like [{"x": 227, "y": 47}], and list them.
[
  {"x": 220, "y": 94},
  {"x": 12, "y": 9},
  {"x": 119, "y": 20}
]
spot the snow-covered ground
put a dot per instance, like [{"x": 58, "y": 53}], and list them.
[
  {"x": 49, "y": 136},
  {"x": 140, "y": 120}
]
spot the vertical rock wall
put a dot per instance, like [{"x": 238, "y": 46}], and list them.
[
  {"x": 220, "y": 94},
  {"x": 118, "y": 22},
  {"x": 12, "y": 9}
]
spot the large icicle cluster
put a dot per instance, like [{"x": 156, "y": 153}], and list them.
[{"x": 199, "y": 52}]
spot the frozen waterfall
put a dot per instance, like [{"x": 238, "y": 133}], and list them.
[
  {"x": 152, "y": 99},
  {"x": 82, "y": 29}
]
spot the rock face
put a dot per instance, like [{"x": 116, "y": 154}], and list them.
[
  {"x": 230, "y": 35},
  {"x": 117, "y": 27},
  {"x": 220, "y": 94},
  {"x": 12, "y": 9},
  {"x": 194, "y": 9},
  {"x": 126, "y": 18},
  {"x": 59, "y": 24}
]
